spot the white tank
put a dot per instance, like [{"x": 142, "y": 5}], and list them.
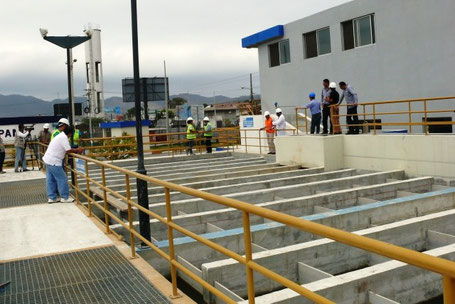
[{"x": 94, "y": 70}]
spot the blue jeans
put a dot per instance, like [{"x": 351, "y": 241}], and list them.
[
  {"x": 20, "y": 157},
  {"x": 56, "y": 180}
]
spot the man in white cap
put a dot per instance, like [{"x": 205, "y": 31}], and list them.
[
  {"x": 269, "y": 131},
  {"x": 208, "y": 134},
  {"x": 280, "y": 123},
  {"x": 190, "y": 135}
]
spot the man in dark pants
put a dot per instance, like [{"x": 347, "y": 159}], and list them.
[
  {"x": 315, "y": 108},
  {"x": 352, "y": 118},
  {"x": 325, "y": 94},
  {"x": 208, "y": 134}
]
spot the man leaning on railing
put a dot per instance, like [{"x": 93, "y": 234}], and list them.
[
  {"x": 269, "y": 131},
  {"x": 352, "y": 100},
  {"x": 56, "y": 179}
]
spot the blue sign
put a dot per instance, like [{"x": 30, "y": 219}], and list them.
[
  {"x": 117, "y": 110},
  {"x": 80, "y": 165},
  {"x": 248, "y": 122}
]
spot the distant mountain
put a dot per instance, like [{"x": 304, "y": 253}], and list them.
[{"x": 20, "y": 105}]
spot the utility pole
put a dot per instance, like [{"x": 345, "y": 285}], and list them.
[
  {"x": 251, "y": 89},
  {"x": 142, "y": 193},
  {"x": 166, "y": 97}
]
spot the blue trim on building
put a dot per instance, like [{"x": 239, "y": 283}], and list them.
[
  {"x": 123, "y": 124},
  {"x": 312, "y": 217},
  {"x": 264, "y": 36}
]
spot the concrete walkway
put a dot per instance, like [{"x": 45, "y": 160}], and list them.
[
  {"x": 46, "y": 229},
  {"x": 54, "y": 253}
]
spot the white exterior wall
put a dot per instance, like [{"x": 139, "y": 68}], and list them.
[
  {"x": 92, "y": 56},
  {"x": 418, "y": 155},
  {"x": 413, "y": 57}
]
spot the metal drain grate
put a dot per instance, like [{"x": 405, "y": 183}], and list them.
[
  {"x": 23, "y": 193},
  {"x": 93, "y": 276}
]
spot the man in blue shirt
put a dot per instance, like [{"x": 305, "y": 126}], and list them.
[{"x": 315, "y": 108}]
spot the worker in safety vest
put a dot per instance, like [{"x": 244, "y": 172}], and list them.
[
  {"x": 76, "y": 136},
  {"x": 208, "y": 134},
  {"x": 190, "y": 135},
  {"x": 62, "y": 124},
  {"x": 269, "y": 131}
]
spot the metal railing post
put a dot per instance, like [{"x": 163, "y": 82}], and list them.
[
  {"x": 306, "y": 122},
  {"x": 246, "y": 146},
  {"x": 297, "y": 119},
  {"x": 88, "y": 189},
  {"x": 106, "y": 216},
  {"x": 374, "y": 119},
  {"x": 170, "y": 237},
  {"x": 425, "y": 110},
  {"x": 76, "y": 184},
  {"x": 260, "y": 142},
  {"x": 448, "y": 285},
  {"x": 410, "y": 117},
  {"x": 248, "y": 256},
  {"x": 130, "y": 216},
  {"x": 365, "y": 123},
  {"x": 331, "y": 118}
]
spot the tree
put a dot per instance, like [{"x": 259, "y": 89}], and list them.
[{"x": 176, "y": 101}]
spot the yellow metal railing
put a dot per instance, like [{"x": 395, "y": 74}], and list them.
[
  {"x": 369, "y": 114},
  {"x": 125, "y": 146},
  {"x": 435, "y": 264},
  {"x": 246, "y": 139}
]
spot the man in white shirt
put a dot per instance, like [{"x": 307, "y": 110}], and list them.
[
  {"x": 56, "y": 179},
  {"x": 280, "y": 123}
]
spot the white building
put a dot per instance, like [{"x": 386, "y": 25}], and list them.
[
  {"x": 94, "y": 70},
  {"x": 386, "y": 49}
]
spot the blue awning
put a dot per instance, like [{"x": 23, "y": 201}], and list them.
[
  {"x": 264, "y": 36},
  {"x": 123, "y": 124}
]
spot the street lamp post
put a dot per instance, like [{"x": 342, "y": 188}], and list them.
[
  {"x": 68, "y": 43},
  {"x": 142, "y": 193}
]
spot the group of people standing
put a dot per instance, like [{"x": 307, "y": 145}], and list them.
[
  {"x": 191, "y": 134},
  {"x": 329, "y": 106}
]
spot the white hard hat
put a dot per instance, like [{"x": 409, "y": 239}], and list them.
[
  {"x": 63, "y": 121},
  {"x": 266, "y": 113},
  {"x": 278, "y": 110},
  {"x": 46, "y": 126},
  {"x": 333, "y": 85},
  {"x": 206, "y": 119},
  {"x": 189, "y": 118}
]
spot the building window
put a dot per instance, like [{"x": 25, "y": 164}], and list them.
[
  {"x": 317, "y": 43},
  {"x": 358, "y": 32},
  {"x": 279, "y": 53},
  {"x": 98, "y": 103}
]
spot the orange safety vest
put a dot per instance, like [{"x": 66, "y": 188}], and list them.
[{"x": 269, "y": 125}]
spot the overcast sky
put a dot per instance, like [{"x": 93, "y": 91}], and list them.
[{"x": 199, "y": 39}]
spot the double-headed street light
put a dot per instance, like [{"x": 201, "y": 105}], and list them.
[{"x": 68, "y": 43}]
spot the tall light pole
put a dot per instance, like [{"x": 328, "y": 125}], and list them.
[
  {"x": 142, "y": 193},
  {"x": 68, "y": 43}
]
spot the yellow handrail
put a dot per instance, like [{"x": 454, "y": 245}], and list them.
[{"x": 431, "y": 263}]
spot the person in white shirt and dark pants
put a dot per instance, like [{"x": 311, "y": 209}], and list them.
[
  {"x": 280, "y": 123},
  {"x": 56, "y": 179}
]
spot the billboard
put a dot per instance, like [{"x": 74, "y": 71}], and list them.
[
  {"x": 154, "y": 89},
  {"x": 62, "y": 109}
]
